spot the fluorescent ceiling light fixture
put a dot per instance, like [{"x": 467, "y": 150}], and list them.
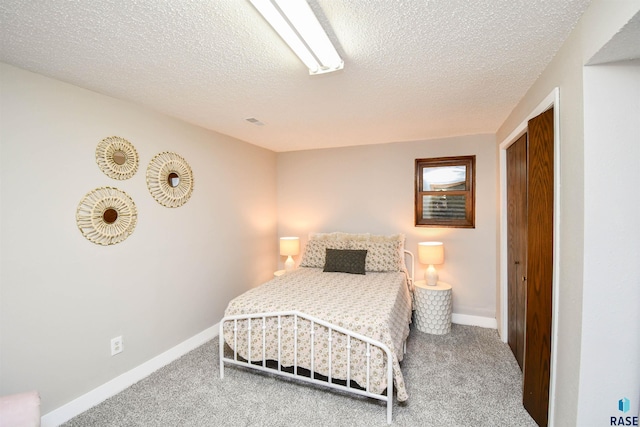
[{"x": 296, "y": 23}]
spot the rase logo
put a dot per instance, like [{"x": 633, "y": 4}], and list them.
[{"x": 623, "y": 406}]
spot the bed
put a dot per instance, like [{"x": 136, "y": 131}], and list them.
[{"x": 341, "y": 319}]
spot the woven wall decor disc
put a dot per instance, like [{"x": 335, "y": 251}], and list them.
[
  {"x": 106, "y": 216},
  {"x": 169, "y": 179},
  {"x": 117, "y": 158}
]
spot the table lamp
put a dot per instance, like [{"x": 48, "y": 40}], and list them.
[
  {"x": 289, "y": 246},
  {"x": 431, "y": 253}
]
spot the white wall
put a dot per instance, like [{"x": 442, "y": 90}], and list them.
[
  {"x": 62, "y": 297},
  {"x": 610, "y": 367},
  {"x": 371, "y": 189}
]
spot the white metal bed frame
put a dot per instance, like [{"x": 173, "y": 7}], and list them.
[{"x": 262, "y": 365}]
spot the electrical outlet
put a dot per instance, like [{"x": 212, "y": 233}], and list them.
[{"x": 116, "y": 345}]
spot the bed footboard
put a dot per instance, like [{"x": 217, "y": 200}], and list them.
[{"x": 259, "y": 361}]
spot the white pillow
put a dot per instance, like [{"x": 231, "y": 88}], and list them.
[
  {"x": 384, "y": 253},
  {"x": 315, "y": 251}
]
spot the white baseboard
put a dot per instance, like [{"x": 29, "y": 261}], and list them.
[
  {"x": 466, "y": 319},
  {"x": 116, "y": 385}
]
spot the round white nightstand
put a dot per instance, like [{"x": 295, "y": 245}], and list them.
[
  {"x": 279, "y": 273},
  {"x": 433, "y": 307}
]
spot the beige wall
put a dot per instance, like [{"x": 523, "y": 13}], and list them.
[
  {"x": 610, "y": 357},
  {"x": 564, "y": 72},
  {"x": 62, "y": 297},
  {"x": 601, "y": 21},
  {"x": 371, "y": 189}
]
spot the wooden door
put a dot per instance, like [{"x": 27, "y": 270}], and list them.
[
  {"x": 517, "y": 244},
  {"x": 539, "y": 276}
]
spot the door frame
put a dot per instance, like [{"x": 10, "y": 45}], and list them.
[{"x": 552, "y": 100}]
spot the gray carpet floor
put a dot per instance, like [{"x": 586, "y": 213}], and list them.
[{"x": 466, "y": 378}]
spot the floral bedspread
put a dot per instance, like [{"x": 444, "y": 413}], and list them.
[{"x": 376, "y": 305}]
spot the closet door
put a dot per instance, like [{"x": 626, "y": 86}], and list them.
[
  {"x": 539, "y": 276},
  {"x": 517, "y": 244}
]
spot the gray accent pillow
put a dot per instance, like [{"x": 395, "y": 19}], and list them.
[{"x": 345, "y": 261}]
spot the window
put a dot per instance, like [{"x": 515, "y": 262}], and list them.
[{"x": 445, "y": 192}]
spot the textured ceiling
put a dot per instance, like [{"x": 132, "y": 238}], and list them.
[
  {"x": 414, "y": 69},
  {"x": 623, "y": 46}
]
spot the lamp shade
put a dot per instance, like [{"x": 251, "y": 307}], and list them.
[
  {"x": 431, "y": 252},
  {"x": 289, "y": 246}
]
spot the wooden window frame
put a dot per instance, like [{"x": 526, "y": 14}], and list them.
[{"x": 469, "y": 193}]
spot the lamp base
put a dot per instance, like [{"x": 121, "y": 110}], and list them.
[
  {"x": 289, "y": 264},
  {"x": 431, "y": 275}
]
